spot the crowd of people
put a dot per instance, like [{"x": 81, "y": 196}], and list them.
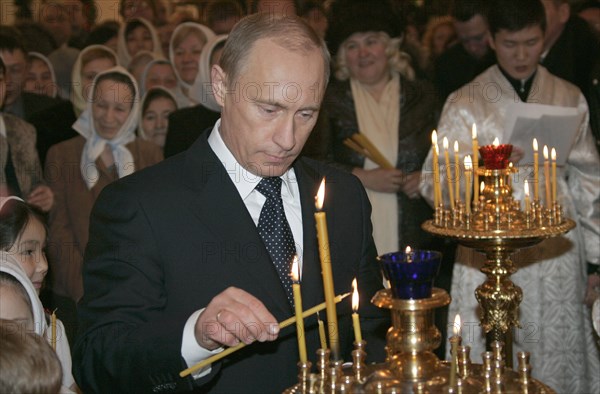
[{"x": 135, "y": 156}]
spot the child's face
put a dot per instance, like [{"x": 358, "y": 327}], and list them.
[
  {"x": 13, "y": 307},
  {"x": 29, "y": 250}
]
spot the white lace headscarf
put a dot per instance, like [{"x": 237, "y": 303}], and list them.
[
  {"x": 77, "y": 97},
  {"x": 124, "y": 55},
  {"x": 202, "y": 91},
  {"x": 95, "y": 144}
]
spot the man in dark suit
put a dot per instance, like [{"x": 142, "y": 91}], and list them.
[
  {"x": 185, "y": 125},
  {"x": 176, "y": 267}
]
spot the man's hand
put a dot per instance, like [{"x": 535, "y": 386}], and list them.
[
  {"x": 411, "y": 184},
  {"x": 42, "y": 197},
  {"x": 234, "y": 316},
  {"x": 381, "y": 179}
]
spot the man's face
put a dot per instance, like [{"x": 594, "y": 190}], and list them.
[
  {"x": 55, "y": 19},
  {"x": 519, "y": 52},
  {"x": 473, "y": 35},
  {"x": 270, "y": 110},
  {"x": 16, "y": 72}
]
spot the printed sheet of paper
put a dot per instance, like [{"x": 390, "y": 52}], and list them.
[{"x": 552, "y": 125}]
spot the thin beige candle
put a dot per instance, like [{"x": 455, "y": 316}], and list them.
[
  {"x": 355, "y": 317},
  {"x": 326, "y": 272},
  {"x": 448, "y": 172},
  {"x": 547, "y": 175},
  {"x": 456, "y": 172},
  {"x": 454, "y": 340},
  {"x": 527, "y": 199},
  {"x": 53, "y": 328},
  {"x": 298, "y": 308},
  {"x": 536, "y": 171},
  {"x": 283, "y": 324},
  {"x": 436, "y": 169},
  {"x": 475, "y": 162},
  {"x": 553, "y": 157},
  {"x": 468, "y": 166},
  {"x": 322, "y": 336}
]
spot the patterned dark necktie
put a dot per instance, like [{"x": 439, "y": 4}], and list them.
[{"x": 275, "y": 232}]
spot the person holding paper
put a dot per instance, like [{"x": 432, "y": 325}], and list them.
[
  {"x": 553, "y": 274},
  {"x": 176, "y": 266}
]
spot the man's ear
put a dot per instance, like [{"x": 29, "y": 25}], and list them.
[
  {"x": 564, "y": 12},
  {"x": 219, "y": 83}
]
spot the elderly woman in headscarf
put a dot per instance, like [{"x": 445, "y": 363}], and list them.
[
  {"x": 40, "y": 76},
  {"x": 54, "y": 125},
  {"x": 375, "y": 93},
  {"x": 157, "y": 104},
  {"x": 106, "y": 149},
  {"x": 137, "y": 35},
  {"x": 187, "y": 124},
  {"x": 187, "y": 43}
]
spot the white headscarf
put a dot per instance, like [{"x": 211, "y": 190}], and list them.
[
  {"x": 141, "y": 132},
  {"x": 11, "y": 266},
  {"x": 124, "y": 56},
  {"x": 79, "y": 102},
  {"x": 208, "y": 33},
  {"x": 202, "y": 91},
  {"x": 46, "y": 61},
  {"x": 180, "y": 98},
  {"x": 95, "y": 143}
]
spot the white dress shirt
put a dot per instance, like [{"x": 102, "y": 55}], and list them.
[{"x": 245, "y": 182}]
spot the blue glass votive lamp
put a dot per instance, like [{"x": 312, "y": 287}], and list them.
[{"x": 411, "y": 273}]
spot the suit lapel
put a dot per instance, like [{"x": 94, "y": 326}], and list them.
[{"x": 219, "y": 207}]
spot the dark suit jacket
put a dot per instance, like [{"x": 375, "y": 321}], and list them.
[
  {"x": 53, "y": 125},
  {"x": 164, "y": 241},
  {"x": 185, "y": 125}
]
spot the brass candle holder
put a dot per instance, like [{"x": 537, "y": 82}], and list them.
[{"x": 498, "y": 227}]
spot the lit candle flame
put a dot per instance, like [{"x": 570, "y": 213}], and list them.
[
  {"x": 553, "y": 154},
  {"x": 408, "y": 250},
  {"x": 526, "y": 188},
  {"x": 445, "y": 143},
  {"x": 320, "y": 196},
  {"x": 468, "y": 163},
  {"x": 481, "y": 186},
  {"x": 510, "y": 165},
  {"x": 474, "y": 131},
  {"x": 456, "y": 147},
  {"x": 496, "y": 142},
  {"x": 545, "y": 152},
  {"x": 295, "y": 275},
  {"x": 437, "y": 149},
  {"x": 535, "y": 145},
  {"x": 354, "y": 295},
  {"x": 434, "y": 137},
  {"x": 456, "y": 327}
]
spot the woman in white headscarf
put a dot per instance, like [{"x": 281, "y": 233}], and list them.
[
  {"x": 41, "y": 78},
  {"x": 136, "y": 35},
  {"x": 161, "y": 73},
  {"x": 54, "y": 125},
  {"x": 11, "y": 273},
  {"x": 201, "y": 92},
  {"x": 187, "y": 43},
  {"x": 107, "y": 149}
]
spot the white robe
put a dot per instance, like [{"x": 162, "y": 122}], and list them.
[{"x": 555, "y": 324}]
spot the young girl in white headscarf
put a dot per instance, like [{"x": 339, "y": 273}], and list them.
[
  {"x": 105, "y": 150},
  {"x": 136, "y": 35},
  {"x": 41, "y": 78},
  {"x": 22, "y": 259}
]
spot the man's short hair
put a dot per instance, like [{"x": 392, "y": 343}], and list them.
[
  {"x": 289, "y": 32},
  {"x": 27, "y": 363},
  {"x": 465, "y": 10},
  {"x": 10, "y": 40},
  {"x": 515, "y": 15}
]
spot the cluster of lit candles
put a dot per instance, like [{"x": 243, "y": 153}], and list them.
[
  {"x": 329, "y": 305},
  {"x": 471, "y": 164}
]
